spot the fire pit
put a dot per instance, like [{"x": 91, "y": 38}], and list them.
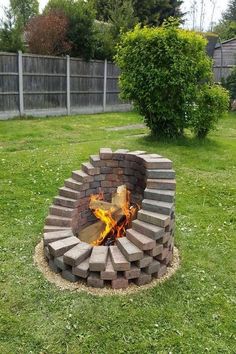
[{"x": 113, "y": 221}]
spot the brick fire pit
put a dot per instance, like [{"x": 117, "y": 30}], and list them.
[{"x": 144, "y": 252}]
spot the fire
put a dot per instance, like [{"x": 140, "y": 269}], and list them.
[{"x": 116, "y": 216}]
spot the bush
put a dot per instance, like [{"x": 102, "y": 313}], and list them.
[
  {"x": 230, "y": 83},
  {"x": 212, "y": 101},
  {"x": 163, "y": 70}
]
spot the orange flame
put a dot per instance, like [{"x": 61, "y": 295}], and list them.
[{"x": 115, "y": 226}]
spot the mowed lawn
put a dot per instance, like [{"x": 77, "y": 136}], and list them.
[{"x": 193, "y": 312}]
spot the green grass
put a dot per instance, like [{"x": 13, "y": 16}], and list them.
[{"x": 193, "y": 312}]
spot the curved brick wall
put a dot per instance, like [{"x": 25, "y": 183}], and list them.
[{"x": 147, "y": 249}]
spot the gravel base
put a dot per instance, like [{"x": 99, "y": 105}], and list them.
[{"x": 63, "y": 284}]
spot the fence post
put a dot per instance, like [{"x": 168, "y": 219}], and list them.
[
  {"x": 105, "y": 86},
  {"x": 68, "y": 84},
  {"x": 20, "y": 74}
]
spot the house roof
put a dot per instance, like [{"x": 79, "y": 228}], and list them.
[{"x": 227, "y": 41}]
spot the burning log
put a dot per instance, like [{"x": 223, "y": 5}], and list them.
[
  {"x": 101, "y": 204},
  {"x": 116, "y": 217}
]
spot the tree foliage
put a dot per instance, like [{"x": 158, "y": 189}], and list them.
[
  {"x": 46, "y": 34},
  {"x": 154, "y": 12},
  {"x": 230, "y": 13},
  {"x": 24, "y": 10},
  {"x": 163, "y": 71},
  {"x": 147, "y": 12},
  {"x": 10, "y": 33},
  {"x": 226, "y": 28},
  {"x": 81, "y": 29}
]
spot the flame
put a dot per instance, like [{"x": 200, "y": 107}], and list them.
[{"x": 115, "y": 227}]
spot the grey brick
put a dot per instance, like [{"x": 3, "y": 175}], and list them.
[
  {"x": 109, "y": 273},
  {"x": 94, "y": 280},
  {"x": 153, "y": 267},
  {"x": 144, "y": 262},
  {"x": 82, "y": 269},
  {"x": 141, "y": 241},
  {"x": 58, "y": 248},
  {"x": 162, "y": 174},
  {"x": 88, "y": 168},
  {"x": 105, "y": 154},
  {"x": 157, "y": 206},
  {"x": 60, "y": 263},
  {"x": 161, "y": 195},
  {"x": 118, "y": 260},
  {"x": 157, "y": 163},
  {"x": 149, "y": 230},
  {"x": 49, "y": 237},
  {"x": 143, "y": 279},
  {"x": 162, "y": 184},
  {"x": 98, "y": 258},
  {"x": 133, "y": 273},
  {"x": 53, "y": 267},
  {"x": 77, "y": 254},
  {"x": 153, "y": 218},
  {"x": 129, "y": 250},
  {"x": 81, "y": 176},
  {"x": 66, "y": 274}
]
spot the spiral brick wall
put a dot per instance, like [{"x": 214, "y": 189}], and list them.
[{"x": 147, "y": 248}]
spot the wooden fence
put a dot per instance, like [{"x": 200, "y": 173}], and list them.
[{"x": 44, "y": 85}]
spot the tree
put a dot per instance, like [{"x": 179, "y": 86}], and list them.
[
  {"x": 226, "y": 28},
  {"x": 81, "y": 28},
  {"x": 46, "y": 34},
  {"x": 154, "y": 12},
  {"x": 121, "y": 16},
  {"x": 230, "y": 13},
  {"x": 10, "y": 33},
  {"x": 167, "y": 74},
  {"x": 147, "y": 12},
  {"x": 24, "y": 10}
]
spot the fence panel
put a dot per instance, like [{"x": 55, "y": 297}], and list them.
[
  {"x": 44, "y": 85},
  {"x": 44, "y": 82},
  {"x": 9, "y": 82},
  {"x": 87, "y": 80}
]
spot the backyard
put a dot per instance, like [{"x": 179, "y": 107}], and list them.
[{"x": 193, "y": 312}]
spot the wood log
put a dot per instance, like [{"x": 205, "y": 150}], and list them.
[
  {"x": 92, "y": 232},
  {"x": 101, "y": 204},
  {"x": 120, "y": 197}
]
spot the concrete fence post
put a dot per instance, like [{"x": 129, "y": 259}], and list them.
[
  {"x": 21, "y": 92},
  {"x": 105, "y": 86},
  {"x": 68, "y": 84}
]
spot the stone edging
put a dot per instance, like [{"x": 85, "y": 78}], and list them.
[{"x": 80, "y": 286}]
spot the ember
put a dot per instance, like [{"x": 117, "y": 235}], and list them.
[{"x": 115, "y": 216}]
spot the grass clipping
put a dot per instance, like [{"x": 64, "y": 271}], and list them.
[{"x": 64, "y": 284}]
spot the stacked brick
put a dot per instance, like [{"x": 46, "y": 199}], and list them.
[{"x": 147, "y": 249}]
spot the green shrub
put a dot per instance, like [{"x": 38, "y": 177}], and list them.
[
  {"x": 163, "y": 70},
  {"x": 230, "y": 83},
  {"x": 211, "y": 103}
]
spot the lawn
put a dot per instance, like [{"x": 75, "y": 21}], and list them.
[{"x": 193, "y": 312}]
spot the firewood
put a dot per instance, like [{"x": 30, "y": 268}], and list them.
[
  {"x": 120, "y": 197},
  {"x": 92, "y": 232},
  {"x": 101, "y": 204}
]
